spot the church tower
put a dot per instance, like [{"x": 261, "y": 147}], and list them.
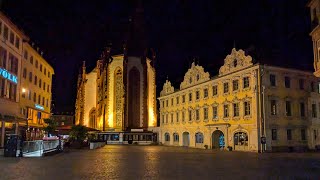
[
  {"x": 314, "y": 6},
  {"x": 135, "y": 73}
]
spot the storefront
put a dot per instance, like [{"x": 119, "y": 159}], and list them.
[{"x": 36, "y": 123}]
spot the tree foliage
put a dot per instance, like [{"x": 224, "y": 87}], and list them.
[
  {"x": 51, "y": 125},
  {"x": 78, "y": 133}
]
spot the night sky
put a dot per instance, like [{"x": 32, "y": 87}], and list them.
[{"x": 273, "y": 32}]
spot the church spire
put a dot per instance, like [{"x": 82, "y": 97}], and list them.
[{"x": 136, "y": 40}]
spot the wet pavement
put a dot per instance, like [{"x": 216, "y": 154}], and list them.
[{"x": 160, "y": 162}]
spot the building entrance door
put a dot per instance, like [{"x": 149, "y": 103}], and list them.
[
  {"x": 218, "y": 140},
  {"x": 186, "y": 139}
]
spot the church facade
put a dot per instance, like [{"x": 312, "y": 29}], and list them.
[
  {"x": 246, "y": 107},
  {"x": 118, "y": 95}
]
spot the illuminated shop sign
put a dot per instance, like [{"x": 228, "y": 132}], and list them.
[
  {"x": 4, "y": 73},
  {"x": 39, "y": 107}
]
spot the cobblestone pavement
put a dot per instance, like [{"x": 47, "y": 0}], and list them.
[{"x": 159, "y": 162}]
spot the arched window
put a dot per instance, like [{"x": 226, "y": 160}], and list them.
[
  {"x": 175, "y": 137},
  {"x": 167, "y": 137},
  {"x": 199, "y": 137},
  {"x": 241, "y": 139}
]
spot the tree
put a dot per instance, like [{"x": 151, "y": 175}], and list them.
[
  {"x": 78, "y": 133},
  {"x": 51, "y": 126}
]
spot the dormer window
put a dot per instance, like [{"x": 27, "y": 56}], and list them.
[
  {"x": 198, "y": 77},
  {"x": 235, "y": 63}
]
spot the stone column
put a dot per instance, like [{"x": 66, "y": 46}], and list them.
[
  {"x": 2, "y": 133},
  {"x": 226, "y": 138}
]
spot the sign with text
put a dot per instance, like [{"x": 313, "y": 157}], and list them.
[{"x": 7, "y": 75}]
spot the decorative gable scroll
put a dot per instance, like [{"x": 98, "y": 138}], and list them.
[
  {"x": 167, "y": 88},
  {"x": 195, "y": 75},
  {"x": 237, "y": 60}
]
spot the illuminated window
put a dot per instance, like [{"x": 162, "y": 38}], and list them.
[
  {"x": 199, "y": 137},
  {"x": 273, "y": 107},
  {"x": 175, "y": 137}
]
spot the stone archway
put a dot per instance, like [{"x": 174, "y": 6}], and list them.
[
  {"x": 186, "y": 139},
  {"x": 218, "y": 140}
]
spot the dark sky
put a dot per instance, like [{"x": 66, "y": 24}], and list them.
[{"x": 68, "y": 32}]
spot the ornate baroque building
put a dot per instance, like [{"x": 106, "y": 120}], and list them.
[
  {"x": 245, "y": 105},
  {"x": 119, "y": 94}
]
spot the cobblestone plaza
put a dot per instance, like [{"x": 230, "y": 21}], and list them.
[{"x": 161, "y": 162}]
